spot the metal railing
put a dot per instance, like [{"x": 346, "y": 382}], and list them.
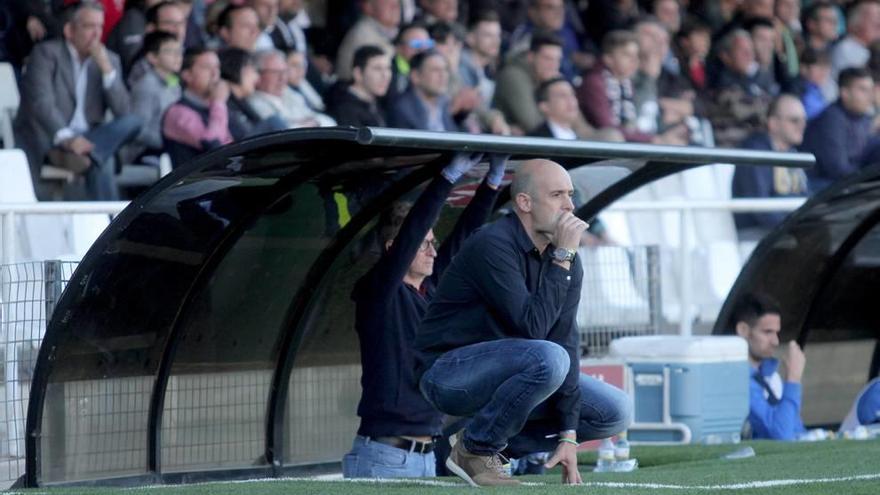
[
  {"x": 686, "y": 210},
  {"x": 9, "y": 213}
]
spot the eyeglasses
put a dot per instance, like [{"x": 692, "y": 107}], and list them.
[
  {"x": 428, "y": 244},
  {"x": 421, "y": 44}
]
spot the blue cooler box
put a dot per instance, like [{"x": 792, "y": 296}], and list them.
[{"x": 686, "y": 389}]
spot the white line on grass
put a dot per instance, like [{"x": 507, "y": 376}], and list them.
[{"x": 734, "y": 486}]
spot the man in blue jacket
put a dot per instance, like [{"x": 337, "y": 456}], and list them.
[
  {"x": 499, "y": 343},
  {"x": 774, "y": 402},
  {"x": 398, "y": 426}
]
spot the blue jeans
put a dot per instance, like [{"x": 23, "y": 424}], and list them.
[
  {"x": 503, "y": 384},
  {"x": 107, "y": 139},
  {"x": 369, "y": 459}
]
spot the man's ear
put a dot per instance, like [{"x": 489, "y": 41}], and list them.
[
  {"x": 742, "y": 329},
  {"x": 388, "y": 244},
  {"x": 523, "y": 202}
]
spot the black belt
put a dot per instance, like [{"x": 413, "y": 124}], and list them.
[{"x": 406, "y": 444}]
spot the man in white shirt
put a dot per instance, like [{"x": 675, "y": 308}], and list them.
[{"x": 67, "y": 88}]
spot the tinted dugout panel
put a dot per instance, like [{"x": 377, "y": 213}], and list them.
[
  {"x": 215, "y": 407},
  {"x": 115, "y": 322}
]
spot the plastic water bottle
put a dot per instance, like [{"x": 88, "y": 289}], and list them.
[
  {"x": 621, "y": 448},
  {"x": 605, "y": 462}
]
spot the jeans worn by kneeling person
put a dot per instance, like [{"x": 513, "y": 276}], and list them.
[{"x": 370, "y": 459}]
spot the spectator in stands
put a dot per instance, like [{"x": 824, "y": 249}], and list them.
[
  {"x": 606, "y": 95},
  {"x": 239, "y": 70},
  {"x": 67, "y": 88},
  {"x": 693, "y": 43},
  {"x": 155, "y": 92},
  {"x": 275, "y": 97},
  {"x": 168, "y": 16},
  {"x": 465, "y": 104},
  {"x": 398, "y": 426},
  {"x": 786, "y": 121},
  {"x": 791, "y": 43},
  {"x": 559, "y": 106},
  {"x": 128, "y": 35},
  {"x": 411, "y": 39},
  {"x": 668, "y": 12},
  {"x": 499, "y": 344},
  {"x": 480, "y": 56},
  {"x": 378, "y": 26},
  {"x": 199, "y": 121},
  {"x": 863, "y": 29},
  {"x": 434, "y": 11},
  {"x": 815, "y": 69},
  {"x": 764, "y": 39},
  {"x": 358, "y": 104},
  {"x": 663, "y": 98},
  {"x": 820, "y": 25},
  {"x": 549, "y": 16},
  {"x": 838, "y": 136},
  {"x": 425, "y": 104},
  {"x": 27, "y": 23},
  {"x": 267, "y": 14},
  {"x": 738, "y": 104},
  {"x": 774, "y": 403},
  {"x": 296, "y": 79},
  {"x": 520, "y": 77},
  {"x": 239, "y": 27}
]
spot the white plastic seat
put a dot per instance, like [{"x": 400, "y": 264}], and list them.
[{"x": 9, "y": 101}]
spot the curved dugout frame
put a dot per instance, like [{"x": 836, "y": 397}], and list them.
[
  {"x": 822, "y": 266},
  {"x": 145, "y": 271}
]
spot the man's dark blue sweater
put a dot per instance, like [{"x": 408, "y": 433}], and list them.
[
  {"x": 389, "y": 311},
  {"x": 837, "y": 137},
  {"x": 500, "y": 287},
  {"x": 764, "y": 182}
]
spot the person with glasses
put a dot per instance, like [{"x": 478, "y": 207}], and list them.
[
  {"x": 411, "y": 40},
  {"x": 398, "y": 426},
  {"x": 786, "y": 121}
]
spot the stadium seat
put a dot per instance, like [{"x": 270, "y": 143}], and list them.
[
  {"x": 44, "y": 237},
  {"x": 9, "y": 100}
]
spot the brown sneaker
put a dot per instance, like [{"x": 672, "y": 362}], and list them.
[{"x": 477, "y": 470}]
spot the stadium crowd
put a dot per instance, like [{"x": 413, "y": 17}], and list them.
[{"x": 184, "y": 76}]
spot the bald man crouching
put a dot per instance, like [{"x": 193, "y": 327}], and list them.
[{"x": 499, "y": 342}]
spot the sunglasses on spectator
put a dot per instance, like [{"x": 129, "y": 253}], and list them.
[{"x": 421, "y": 44}]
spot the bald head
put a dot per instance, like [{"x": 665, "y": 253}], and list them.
[
  {"x": 542, "y": 193},
  {"x": 530, "y": 172}
]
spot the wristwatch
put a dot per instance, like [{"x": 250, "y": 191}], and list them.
[{"x": 562, "y": 255}]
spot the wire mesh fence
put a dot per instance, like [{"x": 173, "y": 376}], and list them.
[
  {"x": 620, "y": 296},
  {"x": 28, "y": 293}
]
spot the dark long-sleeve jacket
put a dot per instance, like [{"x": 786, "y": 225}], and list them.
[
  {"x": 500, "y": 287},
  {"x": 837, "y": 138},
  {"x": 388, "y": 311},
  {"x": 764, "y": 182}
]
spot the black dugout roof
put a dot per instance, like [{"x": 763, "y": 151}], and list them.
[{"x": 220, "y": 268}]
